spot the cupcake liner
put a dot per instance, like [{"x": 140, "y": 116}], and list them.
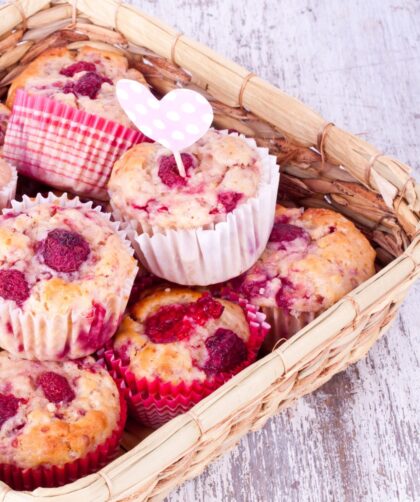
[
  {"x": 205, "y": 256},
  {"x": 283, "y": 326},
  {"x": 64, "y": 147},
  {"x": 55, "y": 337},
  {"x": 49, "y": 477},
  {"x": 8, "y": 192},
  {"x": 155, "y": 402}
]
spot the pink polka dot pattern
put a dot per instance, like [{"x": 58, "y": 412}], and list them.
[{"x": 177, "y": 121}]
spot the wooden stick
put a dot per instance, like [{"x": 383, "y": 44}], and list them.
[{"x": 180, "y": 164}]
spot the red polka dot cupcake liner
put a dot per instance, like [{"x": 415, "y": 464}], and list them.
[
  {"x": 53, "y": 336},
  {"x": 53, "y": 476},
  {"x": 66, "y": 148},
  {"x": 155, "y": 402}
]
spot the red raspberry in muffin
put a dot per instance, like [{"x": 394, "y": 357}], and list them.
[
  {"x": 313, "y": 258},
  {"x": 53, "y": 414},
  {"x": 66, "y": 274},
  {"x": 182, "y": 335},
  {"x": 222, "y": 172},
  {"x": 84, "y": 79}
]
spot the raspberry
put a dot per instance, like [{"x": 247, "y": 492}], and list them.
[
  {"x": 9, "y": 405},
  {"x": 69, "y": 71},
  {"x": 56, "y": 388},
  {"x": 169, "y": 324},
  {"x": 226, "y": 351},
  {"x": 284, "y": 232},
  {"x": 284, "y": 294},
  {"x": 229, "y": 200},
  {"x": 88, "y": 85},
  {"x": 13, "y": 286},
  {"x": 64, "y": 251},
  {"x": 176, "y": 322},
  {"x": 253, "y": 288},
  {"x": 168, "y": 170}
]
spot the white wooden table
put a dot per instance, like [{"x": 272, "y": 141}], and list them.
[{"x": 358, "y": 63}]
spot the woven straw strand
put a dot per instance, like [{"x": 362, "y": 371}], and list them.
[
  {"x": 22, "y": 14},
  {"x": 243, "y": 86},
  {"x": 322, "y": 134},
  {"x": 173, "y": 47}
]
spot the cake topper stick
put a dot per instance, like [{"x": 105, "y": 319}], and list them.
[
  {"x": 177, "y": 121},
  {"x": 179, "y": 163}
]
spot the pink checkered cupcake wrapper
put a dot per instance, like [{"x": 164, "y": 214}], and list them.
[
  {"x": 155, "y": 402},
  {"x": 64, "y": 147},
  {"x": 53, "y": 476}
]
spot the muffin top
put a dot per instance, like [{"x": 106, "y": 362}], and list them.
[
  {"x": 84, "y": 79},
  {"x": 4, "y": 119},
  {"x": 54, "y": 413},
  {"x": 56, "y": 260},
  {"x": 313, "y": 259},
  {"x": 180, "y": 335},
  {"x": 222, "y": 172}
]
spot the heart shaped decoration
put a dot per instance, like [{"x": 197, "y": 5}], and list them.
[{"x": 177, "y": 121}]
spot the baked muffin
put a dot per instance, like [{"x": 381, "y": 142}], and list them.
[
  {"x": 58, "y": 421},
  {"x": 4, "y": 120},
  {"x": 65, "y": 277},
  {"x": 175, "y": 346},
  {"x": 313, "y": 258},
  {"x": 67, "y": 128},
  {"x": 228, "y": 180},
  {"x": 84, "y": 79}
]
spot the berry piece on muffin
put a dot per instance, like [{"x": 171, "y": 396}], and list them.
[
  {"x": 84, "y": 79},
  {"x": 56, "y": 420},
  {"x": 65, "y": 278},
  {"x": 313, "y": 258}
]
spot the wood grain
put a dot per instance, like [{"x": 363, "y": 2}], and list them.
[{"x": 358, "y": 64}]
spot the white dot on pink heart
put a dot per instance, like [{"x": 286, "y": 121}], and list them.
[
  {"x": 164, "y": 142},
  {"x": 208, "y": 118},
  {"x": 170, "y": 96},
  {"x": 177, "y": 135},
  {"x": 140, "y": 108},
  {"x": 136, "y": 87},
  {"x": 192, "y": 129},
  {"x": 173, "y": 116},
  {"x": 159, "y": 124},
  {"x": 188, "y": 108},
  {"x": 131, "y": 115},
  {"x": 153, "y": 103}
]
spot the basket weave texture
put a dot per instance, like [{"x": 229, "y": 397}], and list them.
[{"x": 322, "y": 166}]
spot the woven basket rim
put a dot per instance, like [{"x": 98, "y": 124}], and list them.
[{"x": 171, "y": 442}]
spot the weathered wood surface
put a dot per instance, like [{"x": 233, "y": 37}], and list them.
[{"x": 358, "y": 63}]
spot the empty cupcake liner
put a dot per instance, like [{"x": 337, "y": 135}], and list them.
[
  {"x": 8, "y": 192},
  {"x": 155, "y": 402},
  {"x": 49, "y": 477},
  {"x": 64, "y": 147},
  {"x": 46, "y": 336},
  {"x": 205, "y": 256},
  {"x": 283, "y": 326}
]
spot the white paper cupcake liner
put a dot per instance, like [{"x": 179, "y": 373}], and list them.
[
  {"x": 8, "y": 192},
  {"x": 205, "y": 256},
  {"x": 41, "y": 336}
]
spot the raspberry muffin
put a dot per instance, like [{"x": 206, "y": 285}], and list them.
[
  {"x": 58, "y": 421},
  {"x": 313, "y": 258},
  {"x": 84, "y": 79},
  {"x": 175, "y": 346},
  {"x": 225, "y": 201},
  {"x": 65, "y": 277},
  {"x": 67, "y": 128}
]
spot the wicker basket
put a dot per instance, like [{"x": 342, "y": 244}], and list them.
[{"x": 322, "y": 166}]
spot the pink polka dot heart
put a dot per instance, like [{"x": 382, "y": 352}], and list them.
[{"x": 177, "y": 121}]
